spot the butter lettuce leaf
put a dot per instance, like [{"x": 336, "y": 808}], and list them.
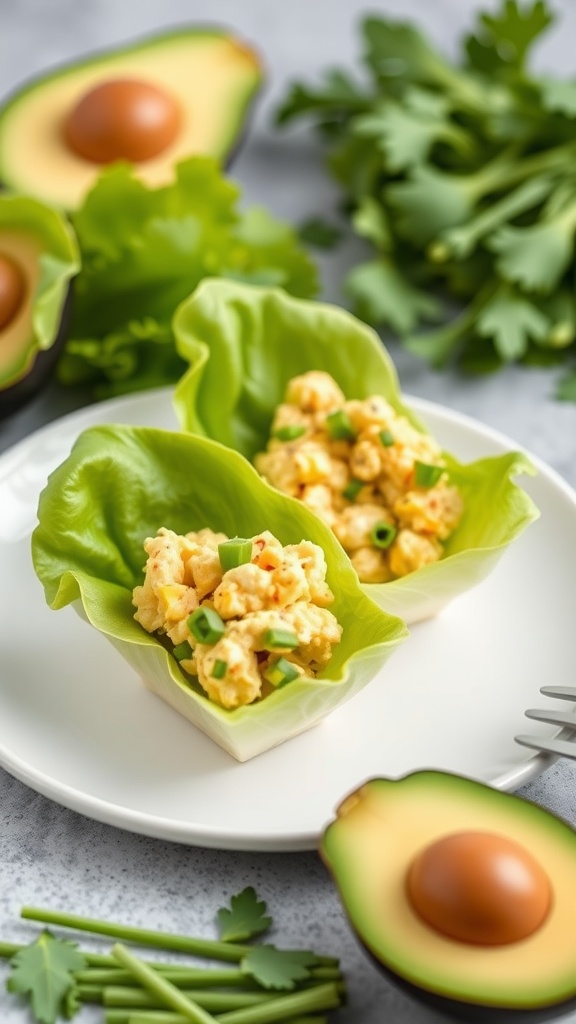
[
  {"x": 144, "y": 250},
  {"x": 244, "y": 344},
  {"x": 118, "y": 486}
]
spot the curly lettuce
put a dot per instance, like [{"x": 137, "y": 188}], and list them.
[
  {"x": 117, "y": 487},
  {"x": 144, "y": 250},
  {"x": 244, "y": 344}
]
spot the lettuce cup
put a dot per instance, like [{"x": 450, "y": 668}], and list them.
[
  {"x": 309, "y": 395},
  {"x": 122, "y": 486}
]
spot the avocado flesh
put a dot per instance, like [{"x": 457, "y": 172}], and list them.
[
  {"x": 212, "y": 75},
  {"x": 40, "y": 243},
  {"x": 369, "y": 847}
]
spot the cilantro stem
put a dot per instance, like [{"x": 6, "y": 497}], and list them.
[
  {"x": 166, "y": 992},
  {"x": 216, "y": 1002},
  {"x": 182, "y": 977},
  {"x": 210, "y": 948},
  {"x": 167, "y": 1017}
]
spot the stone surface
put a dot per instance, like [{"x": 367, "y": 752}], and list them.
[{"x": 50, "y": 856}]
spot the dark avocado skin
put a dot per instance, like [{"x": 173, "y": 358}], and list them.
[
  {"x": 472, "y": 1012},
  {"x": 41, "y": 372}
]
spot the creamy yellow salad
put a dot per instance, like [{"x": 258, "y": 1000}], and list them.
[
  {"x": 377, "y": 481},
  {"x": 243, "y": 615}
]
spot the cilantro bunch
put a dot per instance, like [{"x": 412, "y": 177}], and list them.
[
  {"x": 264, "y": 983},
  {"x": 462, "y": 176}
]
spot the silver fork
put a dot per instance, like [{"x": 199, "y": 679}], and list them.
[{"x": 563, "y": 744}]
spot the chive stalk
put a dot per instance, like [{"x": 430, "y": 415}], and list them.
[
  {"x": 290, "y": 432},
  {"x": 352, "y": 490},
  {"x": 386, "y": 438},
  {"x": 182, "y": 651},
  {"x": 219, "y": 669},
  {"x": 280, "y": 639},
  {"x": 234, "y": 552},
  {"x": 339, "y": 426},
  {"x": 426, "y": 475},
  {"x": 206, "y": 625},
  {"x": 382, "y": 534},
  {"x": 281, "y": 672}
]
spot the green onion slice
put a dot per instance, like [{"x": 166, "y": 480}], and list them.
[
  {"x": 206, "y": 625},
  {"x": 339, "y": 426},
  {"x": 386, "y": 438},
  {"x": 426, "y": 475},
  {"x": 219, "y": 669},
  {"x": 234, "y": 552},
  {"x": 382, "y": 534},
  {"x": 182, "y": 651},
  {"x": 289, "y": 433},
  {"x": 352, "y": 490},
  {"x": 281, "y": 672},
  {"x": 280, "y": 638}
]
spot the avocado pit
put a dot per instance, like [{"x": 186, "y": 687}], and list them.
[
  {"x": 479, "y": 887},
  {"x": 122, "y": 119},
  {"x": 12, "y": 290}
]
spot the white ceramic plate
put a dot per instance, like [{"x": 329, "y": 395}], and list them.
[{"x": 77, "y": 725}]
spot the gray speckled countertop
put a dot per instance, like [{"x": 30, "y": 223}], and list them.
[{"x": 55, "y": 857}]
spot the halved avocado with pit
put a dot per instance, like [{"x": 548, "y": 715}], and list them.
[
  {"x": 153, "y": 103},
  {"x": 38, "y": 259},
  {"x": 462, "y": 894}
]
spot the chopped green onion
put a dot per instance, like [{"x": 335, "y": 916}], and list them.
[
  {"x": 386, "y": 437},
  {"x": 382, "y": 534},
  {"x": 182, "y": 651},
  {"x": 339, "y": 426},
  {"x": 281, "y": 672},
  {"x": 235, "y": 552},
  {"x": 220, "y": 669},
  {"x": 426, "y": 475},
  {"x": 206, "y": 625},
  {"x": 352, "y": 490},
  {"x": 277, "y": 638},
  {"x": 289, "y": 433}
]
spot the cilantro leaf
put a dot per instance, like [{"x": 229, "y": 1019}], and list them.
[
  {"x": 245, "y": 917},
  {"x": 504, "y": 39},
  {"x": 405, "y": 132},
  {"x": 371, "y": 221},
  {"x": 512, "y": 322},
  {"x": 339, "y": 95},
  {"x": 558, "y": 95},
  {"x": 383, "y": 295},
  {"x": 278, "y": 968},
  {"x": 536, "y": 256},
  {"x": 429, "y": 201},
  {"x": 43, "y": 971}
]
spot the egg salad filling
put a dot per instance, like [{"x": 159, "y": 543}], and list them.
[
  {"x": 377, "y": 481},
  {"x": 243, "y": 615}
]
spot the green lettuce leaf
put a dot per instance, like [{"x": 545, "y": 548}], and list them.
[
  {"x": 144, "y": 250},
  {"x": 59, "y": 263},
  {"x": 117, "y": 487},
  {"x": 243, "y": 345}
]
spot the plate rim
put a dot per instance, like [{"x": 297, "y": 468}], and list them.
[{"x": 209, "y": 836}]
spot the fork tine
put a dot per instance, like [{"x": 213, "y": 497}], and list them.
[
  {"x": 567, "y": 692},
  {"x": 567, "y": 718},
  {"x": 561, "y": 748}
]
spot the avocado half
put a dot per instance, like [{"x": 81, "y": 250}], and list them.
[
  {"x": 38, "y": 260},
  {"x": 206, "y": 74},
  {"x": 379, "y": 831}
]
